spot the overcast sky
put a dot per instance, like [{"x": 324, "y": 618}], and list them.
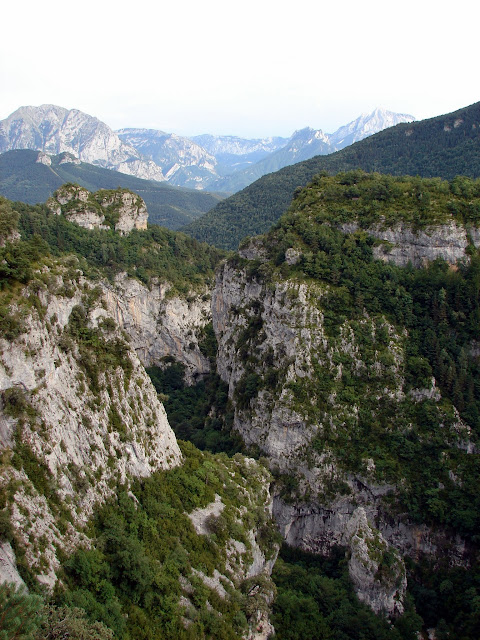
[{"x": 251, "y": 68}]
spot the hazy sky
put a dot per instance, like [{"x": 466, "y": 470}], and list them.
[{"x": 251, "y": 68}]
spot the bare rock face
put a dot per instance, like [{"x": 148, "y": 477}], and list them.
[
  {"x": 54, "y": 130},
  {"x": 79, "y": 413},
  {"x": 78, "y": 206},
  {"x": 69, "y": 193},
  {"x": 402, "y": 244},
  {"x": 8, "y": 567},
  {"x": 125, "y": 210},
  {"x": 376, "y": 569},
  {"x": 43, "y": 158},
  {"x": 249, "y": 563},
  {"x": 405, "y": 245},
  {"x": 130, "y": 208},
  {"x": 68, "y": 158},
  {"x": 160, "y": 325}
]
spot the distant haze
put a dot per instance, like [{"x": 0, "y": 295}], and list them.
[{"x": 253, "y": 69}]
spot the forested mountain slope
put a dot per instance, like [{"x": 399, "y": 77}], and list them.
[
  {"x": 444, "y": 146},
  {"x": 307, "y": 143},
  {"x": 347, "y": 343},
  {"x": 356, "y": 374}
]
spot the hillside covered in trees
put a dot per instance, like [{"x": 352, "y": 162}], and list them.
[
  {"x": 370, "y": 398},
  {"x": 444, "y": 146}
]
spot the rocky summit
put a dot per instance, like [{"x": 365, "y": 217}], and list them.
[
  {"x": 56, "y": 130},
  {"x": 123, "y": 209}
]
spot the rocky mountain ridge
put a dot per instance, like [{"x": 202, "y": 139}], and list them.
[
  {"x": 183, "y": 162},
  {"x": 366, "y": 125},
  {"x": 56, "y": 130},
  {"x": 156, "y": 155},
  {"x": 307, "y": 143}
]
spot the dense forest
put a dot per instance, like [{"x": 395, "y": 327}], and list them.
[
  {"x": 445, "y": 146},
  {"x": 23, "y": 178}
]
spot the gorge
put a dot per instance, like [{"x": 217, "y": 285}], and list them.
[{"x": 347, "y": 341}]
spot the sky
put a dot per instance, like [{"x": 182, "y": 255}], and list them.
[{"x": 253, "y": 68}]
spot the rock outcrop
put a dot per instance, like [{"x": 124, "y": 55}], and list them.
[
  {"x": 161, "y": 325},
  {"x": 376, "y": 569},
  {"x": 128, "y": 207},
  {"x": 8, "y": 567},
  {"x": 121, "y": 209},
  {"x": 402, "y": 244},
  {"x": 248, "y": 561}
]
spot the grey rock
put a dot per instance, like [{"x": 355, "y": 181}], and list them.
[
  {"x": 292, "y": 338},
  {"x": 160, "y": 325},
  {"x": 55, "y": 130},
  {"x": 8, "y": 567}
]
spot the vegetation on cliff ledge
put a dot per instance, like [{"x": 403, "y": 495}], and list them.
[{"x": 389, "y": 388}]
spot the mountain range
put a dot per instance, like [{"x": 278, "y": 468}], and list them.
[
  {"x": 55, "y": 130},
  {"x": 219, "y": 163}
]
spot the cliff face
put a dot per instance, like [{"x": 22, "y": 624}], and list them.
[
  {"x": 79, "y": 413},
  {"x": 82, "y": 431},
  {"x": 160, "y": 325},
  {"x": 295, "y": 389},
  {"x": 403, "y": 244}
]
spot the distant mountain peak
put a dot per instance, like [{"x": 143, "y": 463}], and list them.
[
  {"x": 183, "y": 162},
  {"x": 54, "y": 130},
  {"x": 366, "y": 125}
]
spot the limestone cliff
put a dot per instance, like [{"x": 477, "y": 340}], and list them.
[
  {"x": 159, "y": 324},
  {"x": 287, "y": 375},
  {"x": 79, "y": 413},
  {"x": 402, "y": 244},
  {"x": 81, "y": 421}
]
